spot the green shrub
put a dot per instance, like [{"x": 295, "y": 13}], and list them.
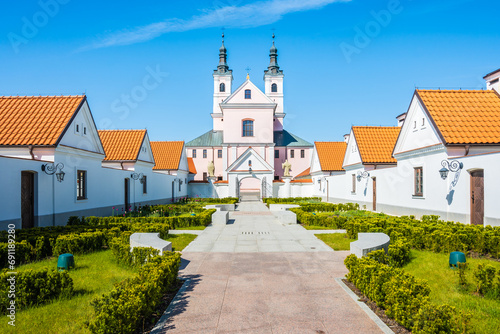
[
  {"x": 120, "y": 246},
  {"x": 484, "y": 277},
  {"x": 124, "y": 308},
  {"x": 399, "y": 253},
  {"x": 86, "y": 242},
  {"x": 23, "y": 253},
  {"x": 462, "y": 278},
  {"x": 290, "y": 200},
  {"x": 35, "y": 287},
  {"x": 404, "y": 297}
]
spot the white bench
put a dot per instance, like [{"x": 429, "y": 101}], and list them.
[
  {"x": 369, "y": 242},
  {"x": 150, "y": 240}
]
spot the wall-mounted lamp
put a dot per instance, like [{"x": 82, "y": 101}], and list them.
[
  {"x": 453, "y": 166},
  {"x": 139, "y": 177},
  {"x": 362, "y": 175},
  {"x": 54, "y": 169}
]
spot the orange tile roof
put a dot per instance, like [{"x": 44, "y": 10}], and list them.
[
  {"x": 376, "y": 143},
  {"x": 464, "y": 116},
  {"x": 167, "y": 154},
  {"x": 331, "y": 155},
  {"x": 222, "y": 181},
  {"x": 122, "y": 145},
  {"x": 192, "y": 168},
  {"x": 307, "y": 172},
  {"x": 36, "y": 120},
  {"x": 278, "y": 181},
  {"x": 302, "y": 181}
]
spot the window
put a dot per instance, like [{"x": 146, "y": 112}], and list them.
[
  {"x": 194, "y": 154},
  {"x": 276, "y": 154},
  {"x": 419, "y": 185},
  {"x": 180, "y": 184},
  {"x": 84, "y": 130},
  {"x": 248, "y": 94},
  {"x": 274, "y": 88},
  {"x": 219, "y": 178},
  {"x": 247, "y": 128},
  {"x": 219, "y": 154},
  {"x": 144, "y": 185},
  {"x": 222, "y": 87},
  {"x": 81, "y": 184},
  {"x": 302, "y": 154},
  {"x": 204, "y": 154},
  {"x": 414, "y": 124},
  {"x": 276, "y": 178},
  {"x": 292, "y": 154},
  {"x": 423, "y": 121},
  {"x": 205, "y": 176},
  {"x": 353, "y": 190},
  {"x": 77, "y": 128}
]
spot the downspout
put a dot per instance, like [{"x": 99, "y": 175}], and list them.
[
  {"x": 30, "y": 147},
  {"x": 467, "y": 148},
  {"x": 53, "y": 201}
]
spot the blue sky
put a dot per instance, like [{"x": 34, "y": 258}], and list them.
[{"x": 345, "y": 62}]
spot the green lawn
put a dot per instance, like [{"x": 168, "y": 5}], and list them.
[
  {"x": 314, "y": 227},
  {"x": 337, "y": 241},
  {"x": 180, "y": 241},
  {"x": 94, "y": 275},
  {"x": 192, "y": 228},
  {"x": 443, "y": 282}
]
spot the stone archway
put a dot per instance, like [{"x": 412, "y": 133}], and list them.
[{"x": 250, "y": 188}]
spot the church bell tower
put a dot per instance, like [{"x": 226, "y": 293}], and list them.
[
  {"x": 223, "y": 79},
  {"x": 273, "y": 81}
]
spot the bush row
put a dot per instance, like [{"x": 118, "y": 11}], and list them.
[
  {"x": 274, "y": 200},
  {"x": 487, "y": 280},
  {"x": 305, "y": 214},
  {"x": 120, "y": 246},
  {"x": 226, "y": 200},
  {"x": 398, "y": 255},
  {"x": 33, "y": 287},
  {"x": 404, "y": 297},
  {"x": 430, "y": 233},
  {"x": 124, "y": 308},
  {"x": 86, "y": 242}
]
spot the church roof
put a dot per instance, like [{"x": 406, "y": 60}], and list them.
[
  {"x": 464, "y": 116},
  {"x": 36, "y": 120},
  {"x": 285, "y": 138},
  {"x": 210, "y": 138},
  {"x": 167, "y": 154}
]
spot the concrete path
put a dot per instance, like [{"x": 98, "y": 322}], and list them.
[
  {"x": 272, "y": 293},
  {"x": 258, "y": 276},
  {"x": 253, "y": 228}
]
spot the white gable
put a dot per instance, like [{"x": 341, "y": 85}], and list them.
[
  {"x": 257, "y": 96},
  {"x": 82, "y": 132},
  {"x": 315, "y": 163},
  {"x": 183, "y": 163},
  {"x": 145, "y": 153},
  {"x": 352, "y": 156},
  {"x": 417, "y": 131},
  {"x": 250, "y": 159}
]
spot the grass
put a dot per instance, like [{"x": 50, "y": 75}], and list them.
[
  {"x": 192, "y": 228},
  {"x": 180, "y": 241},
  {"x": 433, "y": 267},
  {"x": 95, "y": 274},
  {"x": 337, "y": 241}
]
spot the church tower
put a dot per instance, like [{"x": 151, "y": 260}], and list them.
[
  {"x": 223, "y": 79},
  {"x": 273, "y": 80}
]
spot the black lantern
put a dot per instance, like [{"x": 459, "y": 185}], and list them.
[
  {"x": 453, "y": 166},
  {"x": 54, "y": 169},
  {"x": 362, "y": 175}
]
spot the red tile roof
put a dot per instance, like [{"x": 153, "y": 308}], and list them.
[
  {"x": 376, "y": 143},
  {"x": 221, "y": 181},
  {"x": 302, "y": 181},
  {"x": 192, "y": 167},
  {"x": 122, "y": 145},
  {"x": 331, "y": 155},
  {"x": 36, "y": 120},
  {"x": 305, "y": 173},
  {"x": 464, "y": 116},
  {"x": 167, "y": 154}
]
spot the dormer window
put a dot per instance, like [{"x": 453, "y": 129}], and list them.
[
  {"x": 222, "y": 87},
  {"x": 248, "y": 94},
  {"x": 274, "y": 88}
]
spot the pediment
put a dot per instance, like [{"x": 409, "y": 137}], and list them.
[
  {"x": 250, "y": 159},
  {"x": 257, "y": 96}
]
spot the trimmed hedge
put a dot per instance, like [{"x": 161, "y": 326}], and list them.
[
  {"x": 34, "y": 287},
  {"x": 120, "y": 246},
  {"x": 86, "y": 242},
  {"x": 289, "y": 200},
  {"x": 124, "y": 308},
  {"x": 305, "y": 214},
  {"x": 404, "y": 297}
]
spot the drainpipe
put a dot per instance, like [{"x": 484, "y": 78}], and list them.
[
  {"x": 53, "y": 201},
  {"x": 30, "y": 147}
]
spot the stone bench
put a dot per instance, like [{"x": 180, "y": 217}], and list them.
[
  {"x": 282, "y": 207},
  {"x": 220, "y": 217},
  {"x": 369, "y": 242},
  {"x": 285, "y": 217},
  {"x": 150, "y": 240},
  {"x": 221, "y": 207}
]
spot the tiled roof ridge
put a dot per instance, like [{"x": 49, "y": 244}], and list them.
[
  {"x": 455, "y": 90},
  {"x": 37, "y": 96}
]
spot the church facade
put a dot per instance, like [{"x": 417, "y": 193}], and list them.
[{"x": 247, "y": 149}]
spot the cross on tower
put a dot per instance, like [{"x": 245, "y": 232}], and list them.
[{"x": 248, "y": 69}]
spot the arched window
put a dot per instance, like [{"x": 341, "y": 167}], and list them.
[
  {"x": 248, "y": 94},
  {"x": 274, "y": 88},
  {"x": 248, "y": 128},
  {"x": 222, "y": 87}
]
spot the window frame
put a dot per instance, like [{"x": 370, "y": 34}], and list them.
[
  {"x": 292, "y": 154},
  {"x": 302, "y": 154},
  {"x": 219, "y": 154},
  {"x": 193, "y": 154},
  {"x": 353, "y": 189},
  {"x": 81, "y": 185},
  {"x": 205, "y": 154},
  {"x": 245, "y": 132},
  {"x": 248, "y": 94},
  {"x": 222, "y": 87},
  {"x": 276, "y": 154},
  {"x": 418, "y": 181},
  {"x": 144, "y": 185},
  {"x": 274, "y": 88}
]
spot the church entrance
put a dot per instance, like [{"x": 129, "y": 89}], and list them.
[{"x": 250, "y": 189}]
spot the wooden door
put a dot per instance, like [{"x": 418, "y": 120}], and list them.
[
  {"x": 127, "y": 195},
  {"x": 477, "y": 197},
  {"x": 374, "y": 194},
  {"x": 27, "y": 199}
]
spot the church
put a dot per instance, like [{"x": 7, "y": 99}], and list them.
[{"x": 247, "y": 149}]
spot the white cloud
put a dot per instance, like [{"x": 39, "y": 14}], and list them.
[{"x": 228, "y": 14}]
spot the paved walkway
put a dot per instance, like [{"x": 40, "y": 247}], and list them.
[
  {"x": 262, "y": 290},
  {"x": 253, "y": 228}
]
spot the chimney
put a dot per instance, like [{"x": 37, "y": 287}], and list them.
[
  {"x": 346, "y": 137},
  {"x": 492, "y": 80},
  {"x": 401, "y": 119}
]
